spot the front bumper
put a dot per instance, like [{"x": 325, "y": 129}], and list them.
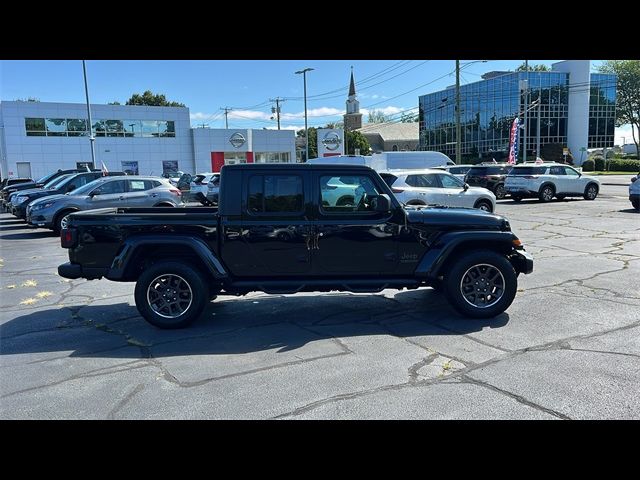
[
  {"x": 19, "y": 211},
  {"x": 522, "y": 261}
]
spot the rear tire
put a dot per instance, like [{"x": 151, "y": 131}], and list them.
[
  {"x": 590, "y": 192},
  {"x": 635, "y": 203},
  {"x": 547, "y": 192},
  {"x": 171, "y": 294},
  {"x": 481, "y": 284}
]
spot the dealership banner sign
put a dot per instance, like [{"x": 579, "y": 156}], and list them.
[{"x": 330, "y": 142}]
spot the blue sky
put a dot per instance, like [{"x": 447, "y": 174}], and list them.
[{"x": 245, "y": 85}]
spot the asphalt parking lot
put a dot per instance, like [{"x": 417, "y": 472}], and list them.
[{"x": 568, "y": 347}]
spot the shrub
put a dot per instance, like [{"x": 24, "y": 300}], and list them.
[
  {"x": 599, "y": 164},
  {"x": 624, "y": 165},
  {"x": 588, "y": 165}
]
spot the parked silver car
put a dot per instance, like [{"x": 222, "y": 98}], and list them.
[
  {"x": 50, "y": 212},
  {"x": 435, "y": 187}
]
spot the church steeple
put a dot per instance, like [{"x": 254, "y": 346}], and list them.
[
  {"x": 352, "y": 86},
  {"x": 353, "y": 117}
]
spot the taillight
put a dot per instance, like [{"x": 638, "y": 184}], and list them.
[
  {"x": 530, "y": 177},
  {"x": 68, "y": 237},
  {"x": 175, "y": 191},
  {"x": 397, "y": 190}
]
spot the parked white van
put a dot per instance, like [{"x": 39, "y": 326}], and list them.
[{"x": 385, "y": 161}]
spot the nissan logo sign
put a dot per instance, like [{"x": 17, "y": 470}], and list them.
[
  {"x": 331, "y": 141},
  {"x": 237, "y": 140}
]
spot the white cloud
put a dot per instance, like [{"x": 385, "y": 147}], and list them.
[
  {"x": 199, "y": 116},
  {"x": 373, "y": 96},
  {"x": 624, "y": 131},
  {"x": 386, "y": 110}
]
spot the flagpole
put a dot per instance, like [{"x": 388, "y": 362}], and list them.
[{"x": 91, "y": 138}]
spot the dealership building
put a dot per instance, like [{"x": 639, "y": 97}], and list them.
[
  {"x": 37, "y": 138},
  {"x": 567, "y": 105}
]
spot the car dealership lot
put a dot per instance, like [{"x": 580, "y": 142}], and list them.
[{"x": 568, "y": 347}]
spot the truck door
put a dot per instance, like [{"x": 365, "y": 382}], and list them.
[
  {"x": 275, "y": 227},
  {"x": 351, "y": 238}
]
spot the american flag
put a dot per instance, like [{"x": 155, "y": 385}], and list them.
[{"x": 513, "y": 141}]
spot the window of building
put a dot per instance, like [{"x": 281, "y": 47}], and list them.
[
  {"x": 35, "y": 127},
  {"x": 232, "y": 158},
  {"x": 56, "y": 127},
  {"x": 275, "y": 194},
  {"x": 272, "y": 157},
  {"x": 114, "y": 128},
  {"x": 76, "y": 127}
]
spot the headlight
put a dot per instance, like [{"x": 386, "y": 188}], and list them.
[
  {"x": 20, "y": 199},
  {"x": 40, "y": 206}
]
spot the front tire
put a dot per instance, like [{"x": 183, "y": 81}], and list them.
[
  {"x": 635, "y": 203},
  {"x": 500, "y": 192},
  {"x": 171, "y": 294},
  {"x": 591, "y": 192},
  {"x": 481, "y": 284},
  {"x": 484, "y": 205}
]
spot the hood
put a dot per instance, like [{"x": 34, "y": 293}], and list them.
[
  {"x": 49, "y": 198},
  {"x": 20, "y": 186},
  {"x": 457, "y": 218},
  {"x": 29, "y": 191}
]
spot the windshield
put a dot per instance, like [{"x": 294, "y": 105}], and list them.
[
  {"x": 85, "y": 189},
  {"x": 56, "y": 181},
  {"x": 46, "y": 178}
]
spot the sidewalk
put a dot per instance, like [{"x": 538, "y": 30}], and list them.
[{"x": 614, "y": 179}]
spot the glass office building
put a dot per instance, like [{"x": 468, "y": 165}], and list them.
[{"x": 488, "y": 108}]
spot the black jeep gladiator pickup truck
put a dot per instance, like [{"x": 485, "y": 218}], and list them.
[{"x": 296, "y": 228}]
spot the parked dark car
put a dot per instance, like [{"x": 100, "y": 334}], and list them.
[
  {"x": 23, "y": 198},
  {"x": 278, "y": 231},
  {"x": 10, "y": 184},
  {"x": 41, "y": 182},
  {"x": 489, "y": 176}
]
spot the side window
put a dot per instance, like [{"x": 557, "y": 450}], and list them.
[
  {"x": 423, "y": 181},
  {"x": 556, "y": 171},
  {"x": 449, "y": 181},
  {"x": 140, "y": 185},
  {"x": 347, "y": 193},
  {"x": 570, "y": 172},
  {"x": 275, "y": 194},
  {"x": 110, "y": 188},
  {"x": 155, "y": 183}
]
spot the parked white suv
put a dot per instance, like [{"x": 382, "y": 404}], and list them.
[
  {"x": 435, "y": 187},
  {"x": 548, "y": 180}
]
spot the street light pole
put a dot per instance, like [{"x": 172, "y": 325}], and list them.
[
  {"x": 538, "y": 130},
  {"x": 526, "y": 103},
  {"x": 91, "y": 138},
  {"x": 458, "y": 129},
  {"x": 306, "y": 130}
]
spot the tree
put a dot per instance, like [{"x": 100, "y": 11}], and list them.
[
  {"x": 150, "y": 99},
  {"x": 115, "y": 102},
  {"x": 533, "y": 68},
  {"x": 628, "y": 94},
  {"x": 355, "y": 140},
  {"x": 313, "y": 141},
  {"x": 409, "y": 117},
  {"x": 376, "y": 116}
]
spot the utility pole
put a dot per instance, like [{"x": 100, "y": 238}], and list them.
[
  {"x": 306, "y": 129},
  {"x": 526, "y": 107},
  {"x": 91, "y": 137},
  {"x": 458, "y": 129},
  {"x": 226, "y": 116},
  {"x": 276, "y": 109}
]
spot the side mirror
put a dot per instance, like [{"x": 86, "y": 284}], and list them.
[
  {"x": 93, "y": 193},
  {"x": 466, "y": 186},
  {"x": 381, "y": 203},
  {"x": 71, "y": 188},
  {"x": 633, "y": 179}
]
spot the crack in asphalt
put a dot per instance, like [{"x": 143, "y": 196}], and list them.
[{"x": 122, "y": 403}]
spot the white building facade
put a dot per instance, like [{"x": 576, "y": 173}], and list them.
[{"x": 37, "y": 138}]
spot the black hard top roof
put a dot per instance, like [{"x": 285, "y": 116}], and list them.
[{"x": 295, "y": 166}]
